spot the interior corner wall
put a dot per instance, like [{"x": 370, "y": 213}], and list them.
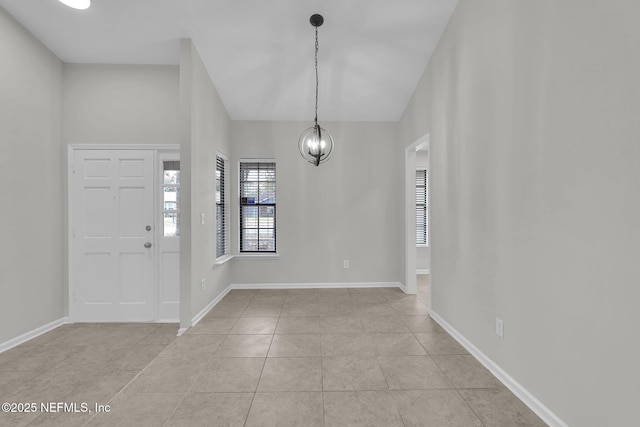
[
  {"x": 205, "y": 132},
  {"x": 532, "y": 109},
  {"x": 349, "y": 208},
  {"x": 31, "y": 256}
]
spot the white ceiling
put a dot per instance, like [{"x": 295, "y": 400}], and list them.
[{"x": 259, "y": 53}]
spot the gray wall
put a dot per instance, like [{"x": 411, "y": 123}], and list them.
[
  {"x": 120, "y": 104},
  {"x": 31, "y": 255},
  {"x": 533, "y": 109},
  {"x": 205, "y": 130},
  {"x": 347, "y": 208}
]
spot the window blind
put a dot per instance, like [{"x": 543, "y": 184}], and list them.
[
  {"x": 257, "y": 207},
  {"x": 422, "y": 208},
  {"x": 221, "y": 209}
]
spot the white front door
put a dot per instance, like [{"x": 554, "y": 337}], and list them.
[{"x": 112, "y": 236}]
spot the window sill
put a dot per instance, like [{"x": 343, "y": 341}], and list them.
[
  {"x": 223, "y": 259},
  {"x": 422, "y": 246},
  {"x": 251, "y": 256}
]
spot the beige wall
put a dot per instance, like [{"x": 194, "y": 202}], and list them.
[
  {"x": 31, "y": 254},
  {"x": 533, "y": 109},
  {"x": 349, "y": 208}
]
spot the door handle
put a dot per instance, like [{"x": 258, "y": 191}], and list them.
[{"x": 147, "y": 245}]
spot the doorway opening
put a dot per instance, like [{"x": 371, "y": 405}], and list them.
[{"x": 417, "y": 256}]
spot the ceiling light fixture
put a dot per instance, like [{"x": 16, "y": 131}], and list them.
[
  {"x": 77, "y": 4},
  {"x": 315, "y": 143}
]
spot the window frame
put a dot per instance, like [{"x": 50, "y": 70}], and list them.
[
  {"x": 247, "y": 253},
  {"x": 224, "y": 190},
  {"x": 422, "y": 203}
]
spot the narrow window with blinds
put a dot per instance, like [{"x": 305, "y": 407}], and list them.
[
  {"x": 222, "y": 245},
  {"x": 422, "y": 207},
  {"x": 257, "y": 206}
]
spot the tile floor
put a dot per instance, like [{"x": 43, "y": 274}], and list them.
[{"x": 312, "y": 357}]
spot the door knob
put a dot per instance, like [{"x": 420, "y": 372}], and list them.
[
  {"x": 148, "y": 228},
  {"x": 147, "y": 245}
]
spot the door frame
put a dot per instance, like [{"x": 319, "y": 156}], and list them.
[
  {"x": 411, "y": 286},
  {"x": 71, "y": 148}
]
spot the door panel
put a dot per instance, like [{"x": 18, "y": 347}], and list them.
[{"x": 111, "y": 205}]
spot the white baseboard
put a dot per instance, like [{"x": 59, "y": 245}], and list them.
[
  {"x": 32, "y": 334},
  {"x": 333, "y": 285},
  {"x": 522, "y": 393},
  {"x": 198, "y": 317},
  {"x": 422, "y": 271}
]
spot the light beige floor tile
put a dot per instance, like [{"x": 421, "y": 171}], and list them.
[
  {"x": 93, "y": 357},
  {"x": 10, "y": 381},
  {"x": 49, "y": 385},
  {"x": 255, "y": 325},
  {"x": 374, "y": 309},
  {"x": 228, "y": 309},
  {"x": 396, "y": 344},
  {"x": 263, "y": 310},
  {"x": 360, "y": 296},
  {"x": 244, "y": 346},
  {"x": 383, "y": 324},
  {"x": 336, "y": 308},
  {"x": 298, "y": 345},
  {"x": 40, "y": 359},
  {"x": 17, "y": 419},
  {"x": 286, "y": 410},
  {"x": 165, "y": 334},
  {"x": 466, "y": 372},
  {"x": 234, "y": 374},
  {"x": 237, "y": 295},
  {"x": 300, "y": 309},
  {"x": 352, "y": 373},
  {"x": 212, "y": 409},
  {"x": 417, "y": 307},
  {"x": 298, "y": 325},
  {"x": 137, "y": 357},
  {"x": 193, "y": 348},
  {"x": 102, "y": 388},
  {"x": 360, "y": 409},
  {"x": 14, "y": 353},
  {"x": 442, "y": 408},
  {"x": 421, "y": 324},
  {"x": 347, "y": 345},
  {"x": 341, "y": 325},
  {"x": 98, "y": 391},
  {"x": 412, "y": 373},
  {"x": 439, "y": 343},
  {"x": 394, "y": 294},
  {"x": 302, "y": 295},
  {"x": 138, "y": 409},
  {"x": 170, "y": 375},
  {"x": 500, "y": 408},
  {"x": 291, "y": 374},
  {"x": 213, "y": 325},
  {"x": 270, "y": 297}
]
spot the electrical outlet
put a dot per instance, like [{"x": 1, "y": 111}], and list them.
[
  {"x": 346, "y": 263},
  {"x": 202, "y": 282},
  {"x": 499, "y": 327}
]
